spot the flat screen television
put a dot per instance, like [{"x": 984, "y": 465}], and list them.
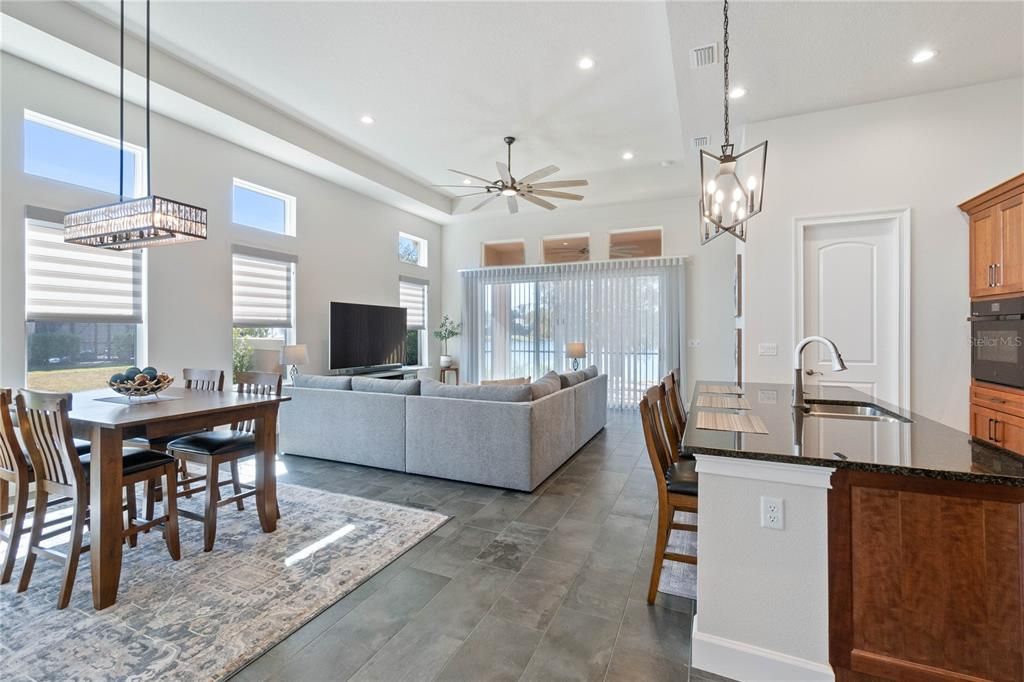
[{"x": 366, "y": 335}]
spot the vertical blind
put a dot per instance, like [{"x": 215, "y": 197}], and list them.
[
  {"x": 629, "y": 313},
  {"x": 79, "y": 283},
  {"x": 261, "y": 288},
  {"x": 412, "y": 295}
]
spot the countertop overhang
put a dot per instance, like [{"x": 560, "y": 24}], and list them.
[{"x": 917, "y": 447}]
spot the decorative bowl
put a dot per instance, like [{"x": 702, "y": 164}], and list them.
[{"x": 133, "y": 390}]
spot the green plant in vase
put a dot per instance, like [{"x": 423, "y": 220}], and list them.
[{"x": 448, "y": 329}]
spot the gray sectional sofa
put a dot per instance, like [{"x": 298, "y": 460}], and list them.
[{"x": 505, "y": 436}]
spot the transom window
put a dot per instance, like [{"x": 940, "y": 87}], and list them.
[
  {"x": 504, "y": 253},
  {"x": 568, "y": 248},
  {"x": 64, "y": 152},
  {"x": 638, "y": 243},
  {"x": 262, "y": 208},
  {"x": 412, "y": 250}
]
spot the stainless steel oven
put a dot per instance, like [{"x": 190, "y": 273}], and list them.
[{"x": 997, "y": 341}]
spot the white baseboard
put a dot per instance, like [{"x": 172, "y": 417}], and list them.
[{"x": 744, "y": 662}]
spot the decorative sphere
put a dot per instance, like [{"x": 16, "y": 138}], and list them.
[
  {"x": 147, "y": 369},
  {"x": 118, "y": 378},
  {"x": 132, "y": 372},
  {"x": 150, "y": 372}
]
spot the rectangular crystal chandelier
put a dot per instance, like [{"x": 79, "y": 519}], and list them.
[{"x": 135, "y": 224}]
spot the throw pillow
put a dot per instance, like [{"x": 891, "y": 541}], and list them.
[
  {"x": 315, "y": 381},
  {"x": 494, "y": 393},
  {"x": 546, "y": 385},
  {"x": 400, "y": 387},
  {"x": 518, "y": 381},
  {"x": 591, "y": 372},
  {"x": 571, "y": 378}
]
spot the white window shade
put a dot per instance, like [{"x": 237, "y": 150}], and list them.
[
  {"x": 412, "y": 295},
  {"x": 261, "y": 289},
  {"x": 79, "y": 283}
]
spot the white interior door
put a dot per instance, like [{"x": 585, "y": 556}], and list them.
[{"x": 851, "y": 294}]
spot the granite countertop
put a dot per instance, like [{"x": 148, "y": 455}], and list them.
[{"x": 918, "y": 447}]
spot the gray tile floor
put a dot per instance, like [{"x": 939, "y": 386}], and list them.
[{"x": 544, "y": 586}]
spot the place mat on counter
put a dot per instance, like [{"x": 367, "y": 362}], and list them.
[
  {"x": 728, "y": 421},
  {"x": 723, "y": 402},
  {"x": 722, "y": 388},
  {"x": 141, "y": 400}
]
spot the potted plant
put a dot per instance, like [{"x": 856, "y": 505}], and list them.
[{"x": 447, "y": 330}]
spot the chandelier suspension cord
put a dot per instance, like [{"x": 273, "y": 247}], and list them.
[
  {"x": 509, "y": 159},
  {"x": 725, "y": 55},
  {"x": 149, "y": 154},
  {"x": 120, "y": 187}
]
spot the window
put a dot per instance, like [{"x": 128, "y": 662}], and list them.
[
  {"x": 263, "y": 308},
  {"x": 568, "y": 248},
  {"x": 412, "y": 250},
  {"x": 504, "y": 253},
  {"x": 67, "y": 153},
  {"x": 412, "y": 295},
  {"x": 642, "y": 243},
  {"x": 263, "y": 208},
  {"x": 83, "y": 309}
]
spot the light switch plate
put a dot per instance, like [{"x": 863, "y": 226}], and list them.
[{"x": 768, "y": 349}]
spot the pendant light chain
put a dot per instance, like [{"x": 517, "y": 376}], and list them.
[
  {"x": 725, "y": 59},
  {"x": 149, "y": 149},
  {"x": 120, "y": 187}
]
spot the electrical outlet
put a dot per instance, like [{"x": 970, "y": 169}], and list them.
[
  {"x": 773, "y": 513},
  {"x": 768, "y": 349}
]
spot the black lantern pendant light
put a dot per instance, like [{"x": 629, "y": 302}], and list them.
[
  {"x": 732, "y": 185},
  {"x": 136, "y": 223}
]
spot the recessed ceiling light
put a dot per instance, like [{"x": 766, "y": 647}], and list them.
[
  {"x": 737, "y": 92},
  {"x": 585, "y": 63},
  {"x": 923, "y": 56},
  {"x": 367, "y": 119},
  {"x": 627, "y": 156},
  {"x": 467, "y": 181}
]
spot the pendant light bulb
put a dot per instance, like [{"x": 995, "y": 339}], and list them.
[
  {"x": 751, "y": 183},
  {"x": 712, "y": 186}
]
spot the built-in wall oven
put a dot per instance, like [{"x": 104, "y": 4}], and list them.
[{"x": 997, "y": 341}]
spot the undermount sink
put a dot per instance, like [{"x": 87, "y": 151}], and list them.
[{"x": 861, "y": 411}]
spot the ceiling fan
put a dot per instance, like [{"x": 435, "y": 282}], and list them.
[
  {"x": 525, "y": 187},
  {"x": 614, "y": 251}
]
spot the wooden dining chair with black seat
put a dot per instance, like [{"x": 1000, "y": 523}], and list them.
[
  {"x": 674, "y": 415},
  {"x": 676, "y": 481},
  {"x": 16, "y": 474},
  {"x": 213, "y": 448},
  {"x": 58, "y": 470}
]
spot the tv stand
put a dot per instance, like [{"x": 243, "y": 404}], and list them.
[{"x": 397, "y": 372}]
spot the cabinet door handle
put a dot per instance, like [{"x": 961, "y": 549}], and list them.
[
  {"x": 990, "y": 275},
  {"x": 990, "y": 429},
  {"x": 995, "y": 430},
  {"x": 997, "y": 271}
]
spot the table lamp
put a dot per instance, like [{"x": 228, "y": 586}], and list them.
[
  {"x": 294, "y": 355},
  {"x": 575, "y": 350}
]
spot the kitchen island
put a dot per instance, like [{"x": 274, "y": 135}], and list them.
[{"x": 900, "y": 553}]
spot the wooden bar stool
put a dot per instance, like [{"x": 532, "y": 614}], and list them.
[
  {"x": 213, "y": 448},
  {"x": 676, "y": 481},
  {"x": 60, "y": 471},
  {"x": 673, "y": 415}
]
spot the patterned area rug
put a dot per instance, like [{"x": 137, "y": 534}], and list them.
[
  {"x": 207, "y": 615},
  {"x": 678, "y": 578}
]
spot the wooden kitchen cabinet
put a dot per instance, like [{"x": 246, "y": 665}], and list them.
[
  {"x": 997, "y": 416},
  {"x": 997, "y": 239}
]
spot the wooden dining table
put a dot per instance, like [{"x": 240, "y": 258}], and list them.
[{"x": 107, "y": 424}]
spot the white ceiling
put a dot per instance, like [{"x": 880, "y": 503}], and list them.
[{"x": 446, "y": 81}]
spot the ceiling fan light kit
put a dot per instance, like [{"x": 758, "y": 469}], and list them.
[
  {"x": 136, "y": 223},
  {"x": 732, "y": 185},
  {"x": 512, "y": 189}
]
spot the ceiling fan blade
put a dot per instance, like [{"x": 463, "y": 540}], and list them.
[
  {"x": 503, "y": 173},
  {"x": 464, "y": 186},
  {"x": 485, "y": 201},
  {"x": 557, "y": 195},
  {"x": 540, "y": 202},
  {"x": 470, "y": 175},
  {"x": 560, "y": 183},
  {"x": 513, "y": 206},
  {"x": 538, "y": 174}
]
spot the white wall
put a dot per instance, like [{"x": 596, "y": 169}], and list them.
[
  {"x": 927, "y": 153},
  {"x": 709, "y": 315},
  {"x": 346, "y": 243}
]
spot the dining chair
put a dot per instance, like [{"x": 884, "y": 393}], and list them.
[
  {"x": 673, "y": 412},
  {"x": 676, "y": 481},
  {"x": 16, "y": 473},
  {"x": 213, "y": 448},
  {"x": 195, "y": 380},
  {"x": 59, "y": 470}
]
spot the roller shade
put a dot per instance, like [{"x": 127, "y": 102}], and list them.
[
  {"x": 68, "y": 282},
  {"x": 261, "y": 290},
  {"x": 412, "y": 295}
]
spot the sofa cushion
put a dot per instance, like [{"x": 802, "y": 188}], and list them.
[
  {"x": 494, "y": 393},
  {"x": 315, "y": 381},
  {"x": 518, "y": 381},
  {"x": 591, "y": 372},
  {"x": 571, "y": 378},
  {"x": 546, "y": 385},
  {"x": 398, "y": 387}
]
